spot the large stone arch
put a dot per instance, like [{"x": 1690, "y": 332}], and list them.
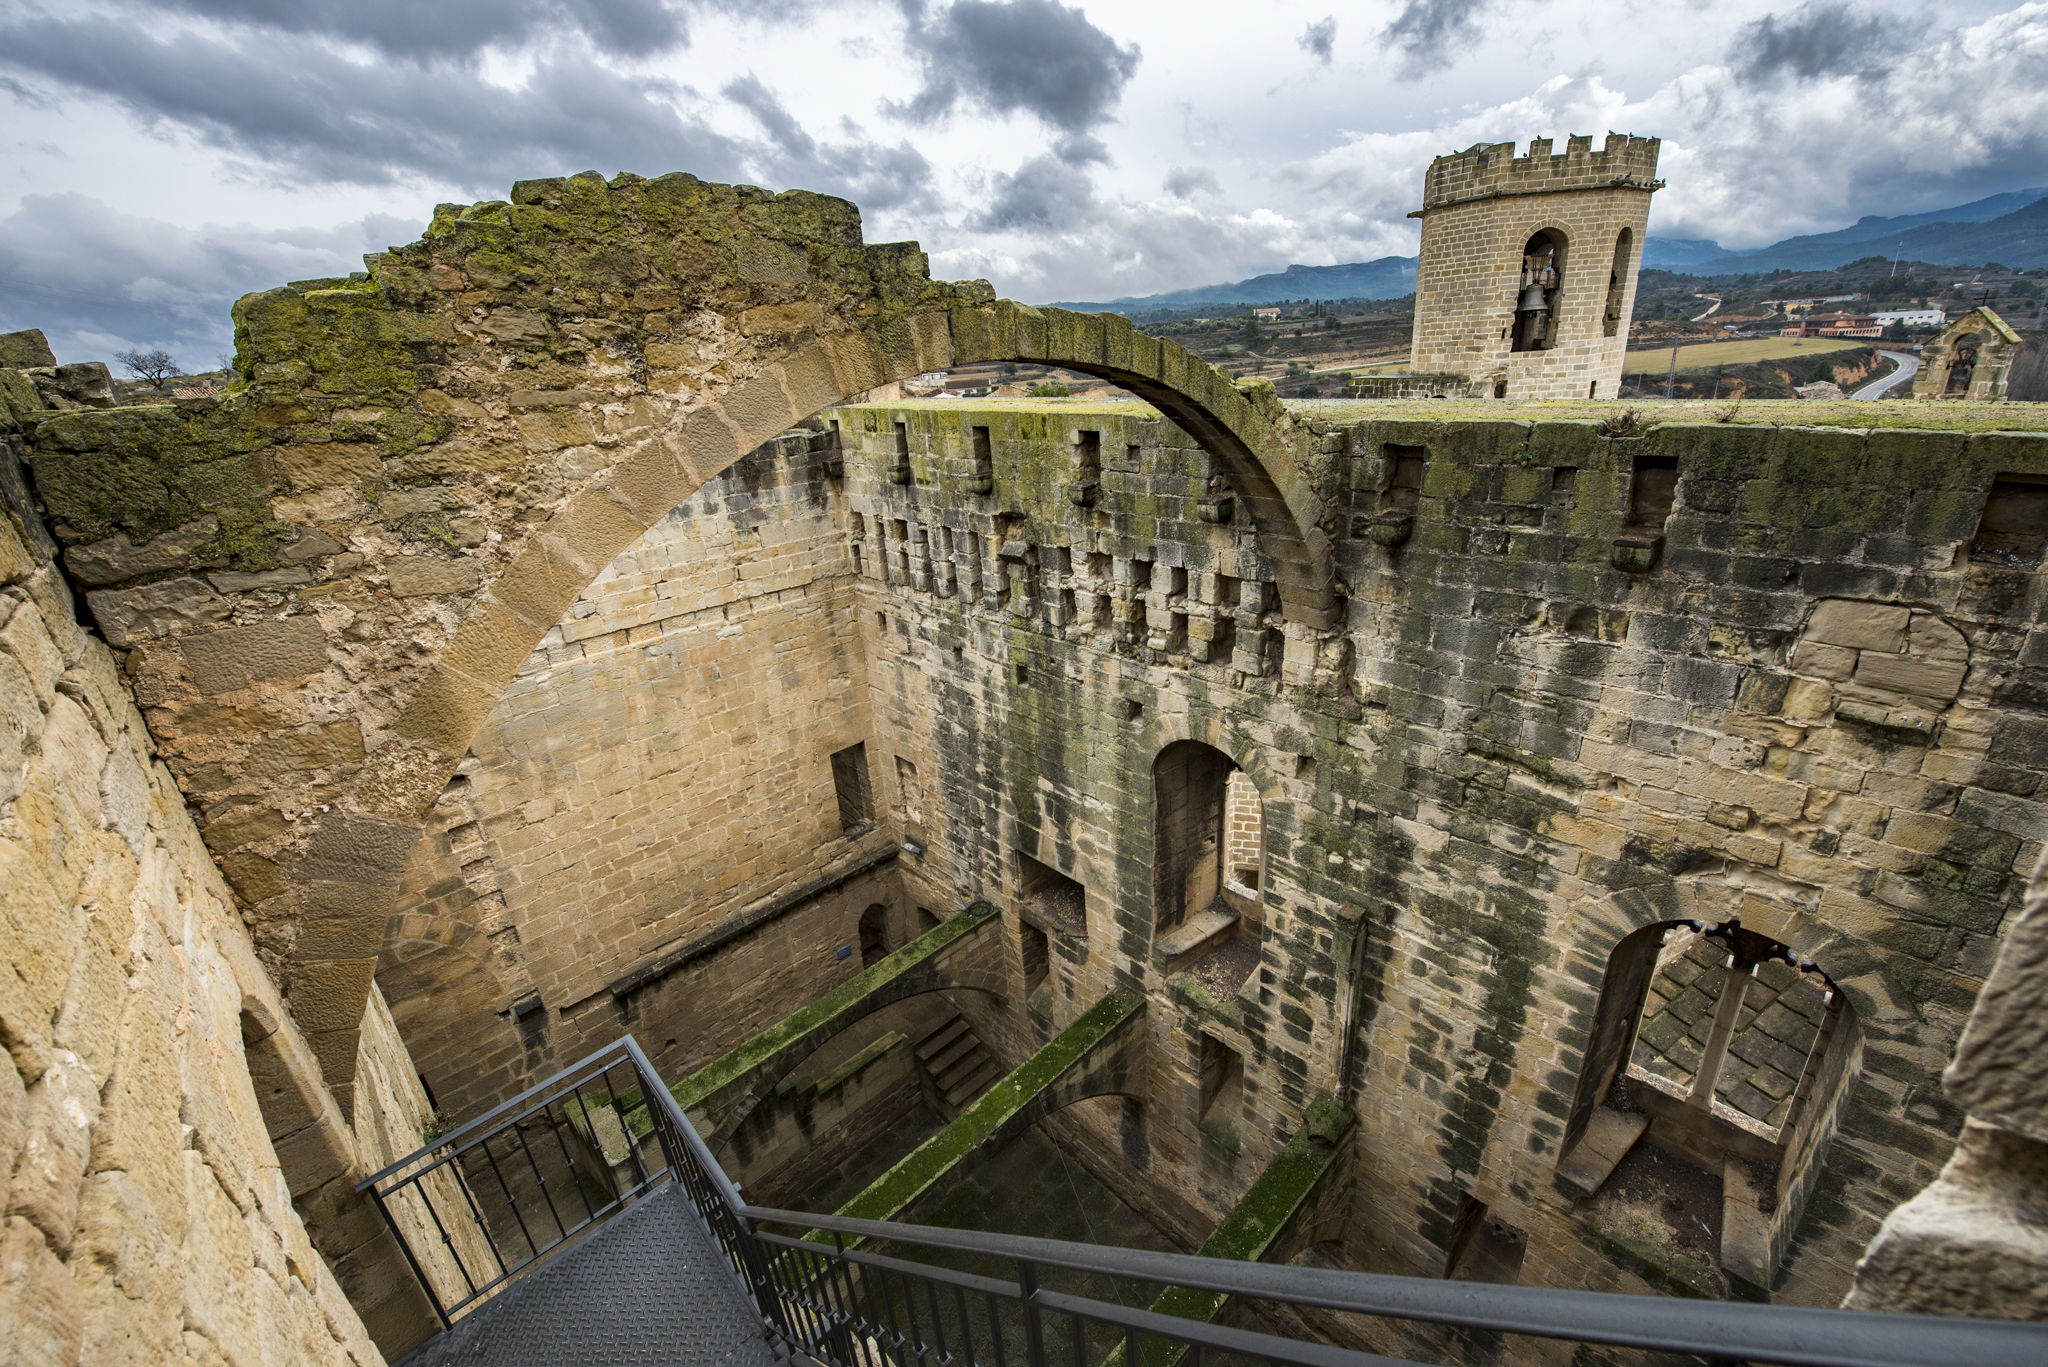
[{"x": 426, "y": 463}]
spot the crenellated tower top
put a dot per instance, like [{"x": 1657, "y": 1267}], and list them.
[{"x": 1490, "y": 170}]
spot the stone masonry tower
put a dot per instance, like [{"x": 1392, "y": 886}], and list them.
[{"x": 1528, "y": 273}]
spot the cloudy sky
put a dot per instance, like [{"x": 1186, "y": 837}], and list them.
[{"x": 162, "y": 158}]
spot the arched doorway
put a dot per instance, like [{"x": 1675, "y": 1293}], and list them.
[
  {"x": 1208, "y": 865},
  {"x": 874, "y": 935},
  {"x": 1962, "y": 363}
]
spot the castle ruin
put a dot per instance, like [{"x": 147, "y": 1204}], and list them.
[{"x": 1497, "y": 848}]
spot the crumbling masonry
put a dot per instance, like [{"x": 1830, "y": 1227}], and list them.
[{"x": 499, "y": 649}]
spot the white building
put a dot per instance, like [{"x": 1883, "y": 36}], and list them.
[{"x": 1913, "y": 318}]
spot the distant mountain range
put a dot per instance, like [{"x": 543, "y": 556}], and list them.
[
  {"x": 2010, "y": 228},
  {"x": 1390, "y": 277}
]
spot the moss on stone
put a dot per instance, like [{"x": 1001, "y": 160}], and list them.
[
  {"x": 148, "y": 469},
  {"x": 828, "y": 1014},
  {"x": 895, "y": 1189},
  {"x": 1948, "y": 416},
  {"x": 1254, "y": 1224}
]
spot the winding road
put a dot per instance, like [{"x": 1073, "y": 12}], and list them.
[{"x": 1908, "y": 367}]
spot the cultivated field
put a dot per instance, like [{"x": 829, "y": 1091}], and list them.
[{"x": 1707, "y": 355}]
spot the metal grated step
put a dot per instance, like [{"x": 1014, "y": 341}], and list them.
[{"x": 649, "y": 1289}]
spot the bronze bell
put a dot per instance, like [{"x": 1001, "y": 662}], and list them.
[{"x": 1535, "y": 299}]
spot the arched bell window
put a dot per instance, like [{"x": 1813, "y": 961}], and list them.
[
  {"x": 1617, "y": 281},
  {"x": 1539, "y": 289}
]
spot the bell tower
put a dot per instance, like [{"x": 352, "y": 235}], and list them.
[{"x": 1528, "y": 272}]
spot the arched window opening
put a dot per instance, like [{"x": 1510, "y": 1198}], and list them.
[
  {"x": 1962, "y": 363},
  {"x": 1538, "y": 291},
  {"x": 1617, "y": 281},
  {"x": 1208, "y": 855},
  {"x": 874, "y": 935},
  {"x": 1725, "y": 1052}
]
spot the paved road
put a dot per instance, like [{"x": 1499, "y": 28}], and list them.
[{"x": 1908, "y": 367}]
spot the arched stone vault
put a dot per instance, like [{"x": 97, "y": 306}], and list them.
[{"x": 460, "y": 440}]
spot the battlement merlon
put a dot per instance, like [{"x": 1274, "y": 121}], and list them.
[{"x": 1492, "y": 170}]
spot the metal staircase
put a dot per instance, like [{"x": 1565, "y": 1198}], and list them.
[{"x": 585, "y": 1221}]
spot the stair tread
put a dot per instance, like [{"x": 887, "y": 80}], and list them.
[
  {"x": 941, "y": 1037},
  {"x": 953, "y": 1053},
  {"x": 975, "y": 1083}
]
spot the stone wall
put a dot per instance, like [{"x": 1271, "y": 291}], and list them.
[
  {"x": 645, "y": 836},
  {"x": 1975, "y": 1242},
  {"x": 1480, "y": 207},
  {"x": 848, "y": 1107},
  {"x": 329, "y": 575},
  {"x": 148, "y": 1215},
  {"x": 1790, "y": 689}
]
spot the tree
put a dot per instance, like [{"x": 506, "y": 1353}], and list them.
[
  {"x": 155, "y": 366},
  {"x": 1897, "y": 331},
  {"x": 1252, "y": 334},
  {"x": 1048, "y": 389}
]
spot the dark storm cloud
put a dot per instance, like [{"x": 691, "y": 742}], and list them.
[
  {"x": 1319, "y": 39},
  {"x": 868, "y": 173},
  {"x": 1042, "y": 193},
  {"x": 1821, "y": 38},
  {"x": 1185, "y": 182},
  {"x": 1081, "y": 150},
  {"x": 1037, "y": 56},
  {"x": 311, "y": 115},
  {"x": 443, "y": 28},
  {"x": 1430, "y": 34},
  {"x": 97, "y": 280}
]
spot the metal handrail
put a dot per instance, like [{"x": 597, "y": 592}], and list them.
[
  {"x": 856, "y": 1307},
  {"x": 479, "y": 1255}
]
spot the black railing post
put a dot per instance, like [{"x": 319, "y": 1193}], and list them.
[
  {"x": 418, "y": 1272},
  {"x": 767, "y": 1300},
  {"x": 1034, "y": 1326}
]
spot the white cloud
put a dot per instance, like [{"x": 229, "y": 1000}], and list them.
[{"x": 1157, "y": 147}]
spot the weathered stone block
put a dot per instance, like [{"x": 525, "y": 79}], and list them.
[
  {"x": 1940, "y": 680},
  {"x": 1858, "y": 625},
  {"x": 236, "y": 657},
  {"x": 349, "y": 848},
  {"x": 128, "y": 616},
  {"x": 1823, "y": 661},
  {"x": 38, "y": 1298},
  {"x": 554, "y": 429},
  {"x": 420, "y": 576},
  {"x": 318, "y": 465},
  {"x": 118, "y": 558}
]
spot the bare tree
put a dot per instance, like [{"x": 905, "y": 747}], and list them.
[{"x": 155, "y": 366}]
